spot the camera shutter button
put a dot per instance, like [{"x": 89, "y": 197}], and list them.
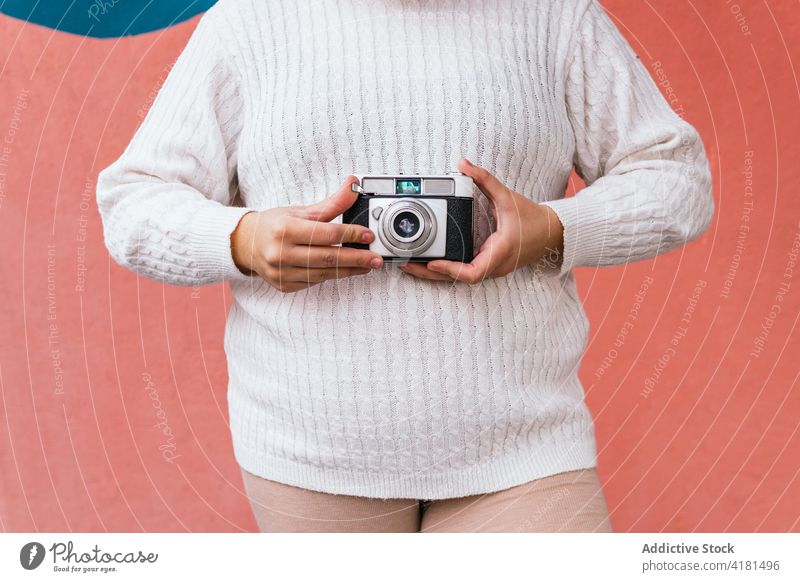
[{"x": 376, "y": 212}]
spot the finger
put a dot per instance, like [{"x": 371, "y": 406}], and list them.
[
  {"x": 493, "y": 188},
  {"x": 484, "y": 263},
  {"x": 421, "y": 271},
  {"x": 301, "y": 275},
  {"x": 489, "y": 256},
  {"x": 290, "y": 287},
  {"x": 309, "y": 232},
  {"x": 465, "y": 272},
  {"x": 317, "y": 257},
  {"x": 334, "y": 205}
]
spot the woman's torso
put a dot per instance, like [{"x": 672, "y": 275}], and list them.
[{"x": 333, "y": 88}]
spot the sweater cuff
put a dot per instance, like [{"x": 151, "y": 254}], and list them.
[
  {"x": 210, "y": 241},
  {"x": 586, "y": 236}
]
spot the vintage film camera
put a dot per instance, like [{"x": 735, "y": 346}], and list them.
[{"x": 417, "y": 217}]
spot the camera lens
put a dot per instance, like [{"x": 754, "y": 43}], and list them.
[
  {"x": 407, "y": 227},
  {"x": 406, "y": 224}
]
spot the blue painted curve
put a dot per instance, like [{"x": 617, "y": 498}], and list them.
[{"x": 104, "y": 18}]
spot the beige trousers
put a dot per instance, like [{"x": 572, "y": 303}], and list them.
[{"x": 567, "y": 502}]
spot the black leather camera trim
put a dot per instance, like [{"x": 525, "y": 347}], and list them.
[{"x": 459, "y": 230}]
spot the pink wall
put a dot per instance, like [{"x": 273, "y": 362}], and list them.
[{"x": 707, "y": 440}]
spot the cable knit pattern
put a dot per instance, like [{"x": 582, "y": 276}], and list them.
[{"x": 385, "y": 385}]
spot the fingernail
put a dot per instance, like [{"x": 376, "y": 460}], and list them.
[
  {"x": 375, "y": 263},
  {"x": 468, "y": 162},
  {"x": 433, "y": 268},
  {"x": 366, "y": 237}
]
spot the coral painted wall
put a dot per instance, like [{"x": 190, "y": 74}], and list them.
[{"x": 691, "y": 372}]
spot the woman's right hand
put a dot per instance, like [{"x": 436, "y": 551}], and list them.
[{"x": 292, "y": 248}]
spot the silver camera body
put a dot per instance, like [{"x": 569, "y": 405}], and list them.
[{"x": 416, "y": 217}]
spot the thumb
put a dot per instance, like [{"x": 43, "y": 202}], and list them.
[
  {"x": 494, "y": 189},
  {"x": 334, "y": 205}
]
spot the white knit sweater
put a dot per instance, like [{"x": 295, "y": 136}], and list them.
[{"x": 386, "y": 385}]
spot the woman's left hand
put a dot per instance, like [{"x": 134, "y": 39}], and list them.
[{"x": 526, "y": 231}]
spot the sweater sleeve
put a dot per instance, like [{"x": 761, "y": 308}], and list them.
[
  {"x": 648, "y": 183},
  {"x": 166, "y": 202}
]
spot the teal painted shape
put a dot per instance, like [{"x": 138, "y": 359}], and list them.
[{"x": 105, "y": 18}]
